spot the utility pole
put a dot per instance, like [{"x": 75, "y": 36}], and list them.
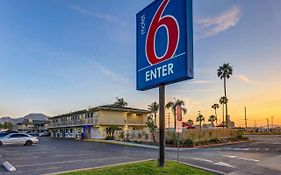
[
  {"x": 246, "y": 125},
  {"x": 267, "y": 124}
]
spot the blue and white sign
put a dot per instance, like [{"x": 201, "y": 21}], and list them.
[{"x": 164, "y": 43}]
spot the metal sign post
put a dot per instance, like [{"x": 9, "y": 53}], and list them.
[
  {"x": 178, "y": 127},
  {"x": 161, "y": 125}
]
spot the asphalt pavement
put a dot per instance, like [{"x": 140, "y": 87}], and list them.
[{"x": 261, "y": 156}]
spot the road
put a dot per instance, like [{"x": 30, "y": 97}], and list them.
[{"x": 262, "y": 156}]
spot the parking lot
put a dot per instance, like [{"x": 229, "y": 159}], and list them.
[
  {"x": 260, "y": 156},
  {"x": 52, "y": 155}
]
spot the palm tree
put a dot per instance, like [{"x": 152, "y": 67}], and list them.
[
  {"x": 173, "y": 105},
  {"x": 190, "y": 122},
  {"x": 154, "y": 107},
  {"x": 200, "y": 118},
  {"x": 151, "y": 126},
  {"x": 223, "y": 101},
  {"x": 120, "y": 102},
  {"x": 215, "y": 107},
  {"x": 212, "y": 118},
  {"x": 224, "y": 72}
]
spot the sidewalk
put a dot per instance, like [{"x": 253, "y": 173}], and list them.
[{"x": 157, "y": 147}]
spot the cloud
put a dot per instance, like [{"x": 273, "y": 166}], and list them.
[
  {"x": 202, "y": 82},
  {"x": 245, "y": 79},
  {"x": 211, "y": 26},
  {"x": 103, "y": 16},
  {"x": 194, "y": 91},
  {"x": 109, "y": 73}
]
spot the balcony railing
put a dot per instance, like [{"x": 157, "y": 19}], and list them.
[{"x": 72, "y": 123}]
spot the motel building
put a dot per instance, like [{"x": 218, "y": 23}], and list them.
[{"x": 92, "y": 122}]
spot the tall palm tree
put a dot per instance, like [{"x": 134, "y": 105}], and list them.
[
  {"x": 120, "y": 102},
  {"x": 154, "y": 107},
  {"x": 212, "y": 118},
  {"x": 215, "y": 107},
  {"x": 224, "y": 72},
  {"x": 173, "y": 105},
  {"x": 223, "y": 101},
  {"x": 200, "y": 118}
]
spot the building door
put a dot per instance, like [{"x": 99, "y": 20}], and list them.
[
  {"x": 87, "y": 132},
  {"x": 63, "y": 133}
]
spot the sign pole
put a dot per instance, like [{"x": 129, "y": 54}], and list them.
[
  {"x": 178, "y": 147},
  {"x": 161, "y": 125}
]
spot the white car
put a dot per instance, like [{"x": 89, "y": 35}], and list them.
[{"x": 18, "y": 139}]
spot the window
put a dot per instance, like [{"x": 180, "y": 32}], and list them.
[
  {"x": 18, "y": 135},
  {"x": 70, "y": 130}
]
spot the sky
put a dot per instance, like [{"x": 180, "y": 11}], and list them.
[{"x": 58, "y": 56}]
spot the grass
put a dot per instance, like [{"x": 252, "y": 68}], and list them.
[{"x": 143, "y": 168}]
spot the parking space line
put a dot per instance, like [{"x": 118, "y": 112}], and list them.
[{"x": 72, "y": 161}]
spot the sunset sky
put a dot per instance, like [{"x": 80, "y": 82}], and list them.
[{"x": 60, "y": 56}]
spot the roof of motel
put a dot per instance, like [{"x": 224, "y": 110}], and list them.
[{"x": 107, "y": 108}]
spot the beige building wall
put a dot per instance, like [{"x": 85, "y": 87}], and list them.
[{"x": 112, "y": 118}]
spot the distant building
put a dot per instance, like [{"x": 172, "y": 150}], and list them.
[
  {"x": 30, "y": 125},
  {"x": 92, "y": 123}
]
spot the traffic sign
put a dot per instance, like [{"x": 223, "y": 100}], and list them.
[
  {"x": 179, "y": 119},
  {"x": 164, "y": 43}
]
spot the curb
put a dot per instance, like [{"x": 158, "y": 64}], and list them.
[
  {"x": 203, "y": 168},
  {"x": 98, "y": 167},
  {"x": 167, "y": 148}
]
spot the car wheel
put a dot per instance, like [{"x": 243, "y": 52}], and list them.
[
  {"x": 1, "y": 144},
  {"x": 28, "y": 143}
]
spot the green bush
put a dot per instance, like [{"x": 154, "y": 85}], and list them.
[
  {"x": 240, "y": 135},
  {"x": 169, "y": 141},
  {"x": 188, "y": 142},
  {"x": 215, "y": 140},
  {"x": 109, "y": 138},
  {"x": 201, "y": 142}
]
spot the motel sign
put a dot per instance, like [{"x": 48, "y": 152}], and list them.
[{"x": 164, "y": 43}]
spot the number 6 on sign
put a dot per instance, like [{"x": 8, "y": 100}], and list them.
[{"x": 172, "y": 28}]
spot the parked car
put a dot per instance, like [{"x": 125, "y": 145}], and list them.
[{"x": 18, "y": 139}]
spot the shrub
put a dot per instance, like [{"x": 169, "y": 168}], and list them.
[
  {"x": 122, "y": 135},
  {"x": 188, "y": 142},
  {"x": 169, "y": 141},
  {"x": 240, "y": 135},
  {"x": 215, "y": 140},
  {"x": 201, "y": 142},
  {"x": 109, "y": 138}
]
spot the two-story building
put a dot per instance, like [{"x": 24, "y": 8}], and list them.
[
  {"x": 33, "y": 126},
  {"x": 92, "y": 122}
]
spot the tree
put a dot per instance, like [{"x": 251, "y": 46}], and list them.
[
  {"x": 212, "y": 118},
  {"x": 8, "y": 125},
  {"x": 120, "y": 102},
  {"x": 190, "y": 122},
  {"x": 225, "y": 72},
  {"x": 111, "y": 130},
  {"x": 151, "y": 126},
  {"x": 173, "y": 106},
  {"x": 200, "y": 118},
  {"x": 223, "y": 101},
  {"x": 154, "y": 107},
  {"x": 215, "y": 107}
]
